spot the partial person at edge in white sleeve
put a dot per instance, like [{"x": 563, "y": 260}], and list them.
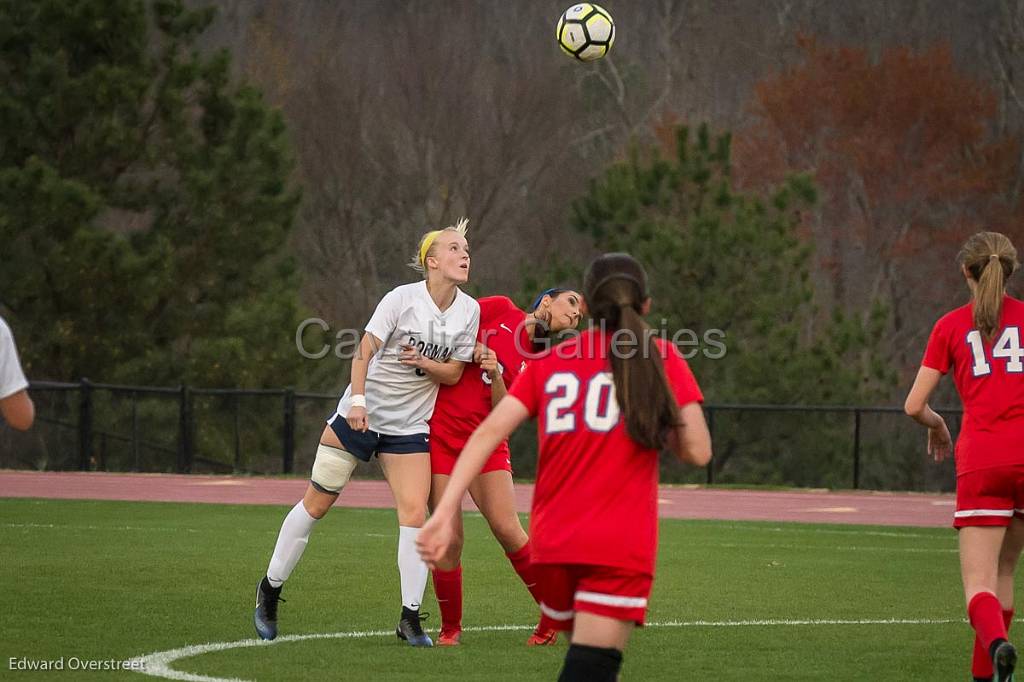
[{"x": 16, "y": 407}]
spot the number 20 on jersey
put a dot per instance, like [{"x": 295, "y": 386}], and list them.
[{"x": 600, "y": 408}]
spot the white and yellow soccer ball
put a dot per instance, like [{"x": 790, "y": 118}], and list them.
[{"x": 586, "y": 31}]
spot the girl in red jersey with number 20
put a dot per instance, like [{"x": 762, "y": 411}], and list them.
[
  {"x": 606, "y": 402},
  {"x": 981, "y": 343}
]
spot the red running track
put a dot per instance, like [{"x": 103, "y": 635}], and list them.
[{"x": 675, "y": 502}]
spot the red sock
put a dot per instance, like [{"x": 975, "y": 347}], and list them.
[
  {"x": 448, "y": 590},
  {"x": 986, "y": 616},
  {"x": 524, "y": 568},
  {"x": 981, "y": 663}
]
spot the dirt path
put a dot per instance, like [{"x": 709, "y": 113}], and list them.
[{"x": 811, "y": 506}]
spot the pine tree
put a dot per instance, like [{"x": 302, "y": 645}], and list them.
[
  {"x": 730, "y": 283},
  {"x": 145, "y": 204}
]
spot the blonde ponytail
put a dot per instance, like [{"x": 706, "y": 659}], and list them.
[
  {"x": 990, "y": 259},
  {"x": 988, "y": 298}
]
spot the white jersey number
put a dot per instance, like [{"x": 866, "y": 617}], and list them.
[
  {"x": 600, "y": 407},
  {"x": 1006, "y": 346},
  {"x": 565, "y": 388}
]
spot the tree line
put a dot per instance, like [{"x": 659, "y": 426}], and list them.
[{"x": 171, "y": 209}]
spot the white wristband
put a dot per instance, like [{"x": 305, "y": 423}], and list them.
[{"x": 358, "y": 400}]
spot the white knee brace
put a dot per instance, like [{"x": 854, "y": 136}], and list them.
[{"x": 332, "y": 468}]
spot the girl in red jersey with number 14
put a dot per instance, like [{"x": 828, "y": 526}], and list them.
[
  {"x": 981, "y": 343},
  {"x": 606, "y": 402}
]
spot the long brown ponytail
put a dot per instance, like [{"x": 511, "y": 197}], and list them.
[
  {"x": 616, "y": 288},
  {"x": 990, "y": 259}
]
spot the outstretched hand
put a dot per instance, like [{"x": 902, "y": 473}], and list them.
[
  {"x": 940, "y": 443},
  {"x": 435, "y": 539}
]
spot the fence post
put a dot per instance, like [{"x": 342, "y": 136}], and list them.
[
  {"x": 238, "y": 439},
  {"x": 135, "y": 430},
  {"x": 288, "y": 432},
  {"x": 856, "y": 449},
  {"x": 184, "y": 431},
  {"x": 711, "y": 432},
  {"x": 84, "y": 424}
]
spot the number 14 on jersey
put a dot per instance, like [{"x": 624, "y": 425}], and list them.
[{"x": 1006, "y": 346}]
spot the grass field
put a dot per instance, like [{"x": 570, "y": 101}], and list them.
[{"x": 113, "y": 580}]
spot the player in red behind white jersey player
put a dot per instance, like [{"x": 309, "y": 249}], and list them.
[
  {"x": 506, "y": 341},
  {"x": 605, "y": 402},
  {"x": 981, "y": 343}
]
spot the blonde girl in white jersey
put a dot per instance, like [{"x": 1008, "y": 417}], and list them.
[{"x": 421, "y": 335}]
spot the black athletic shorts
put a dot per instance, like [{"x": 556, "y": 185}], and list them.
[{"x": 365, "y": 445}]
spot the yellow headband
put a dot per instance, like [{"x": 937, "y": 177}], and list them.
[{"x": 428, "y": 241}]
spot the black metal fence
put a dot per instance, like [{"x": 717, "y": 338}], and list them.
[
  {"x": 832, "y": 446},
  {"x": 106, "y": 427}
]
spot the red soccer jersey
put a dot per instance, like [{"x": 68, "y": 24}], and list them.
[
  {"x": 460, "y": 408},
  {"x": 596, "y": 496},
  {"x": 989, "y": 376}
]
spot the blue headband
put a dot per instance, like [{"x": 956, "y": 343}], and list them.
[{"x": 553, "y": 291}]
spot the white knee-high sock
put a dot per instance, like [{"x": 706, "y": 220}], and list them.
[
  {"x": 411, "y": 569},
  {"x": 291, "y": 542}
]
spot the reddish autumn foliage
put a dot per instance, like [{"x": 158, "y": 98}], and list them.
[{"x": 902, "y": 150}]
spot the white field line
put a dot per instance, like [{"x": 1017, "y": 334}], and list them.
[
  {"x": 55, "y": 526},
  {"x": 724, "y": 545},
  {"x": 795, "y": 529},
  {"x": 828, "y": 548},
  {"x": 158, "y": 664},
  {"x": 940, "y": 550},
  {"x": 802, "y": 528}
]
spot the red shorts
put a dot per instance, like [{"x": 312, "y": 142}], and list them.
[
  {"x": 989, "y": 497},
  {"x": 443, "y": 456},
  {"x": 603, "y": 590}
]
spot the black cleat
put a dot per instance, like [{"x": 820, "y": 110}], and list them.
[
  {"x": 265, "y": 616},
  {"x": 1004, "y": 660},
  {"x": 410, "y": 630}
]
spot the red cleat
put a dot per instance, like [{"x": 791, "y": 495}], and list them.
[
  {"x": 542, "y": 637},
  {"x": 449, "y": 637}
]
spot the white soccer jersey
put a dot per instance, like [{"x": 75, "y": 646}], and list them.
[
  {"x": 400, "y": 399},
  {"x": 12, "y": 379}
]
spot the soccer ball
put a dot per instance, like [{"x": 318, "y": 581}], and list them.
[{"x": 586, "y": 31}]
